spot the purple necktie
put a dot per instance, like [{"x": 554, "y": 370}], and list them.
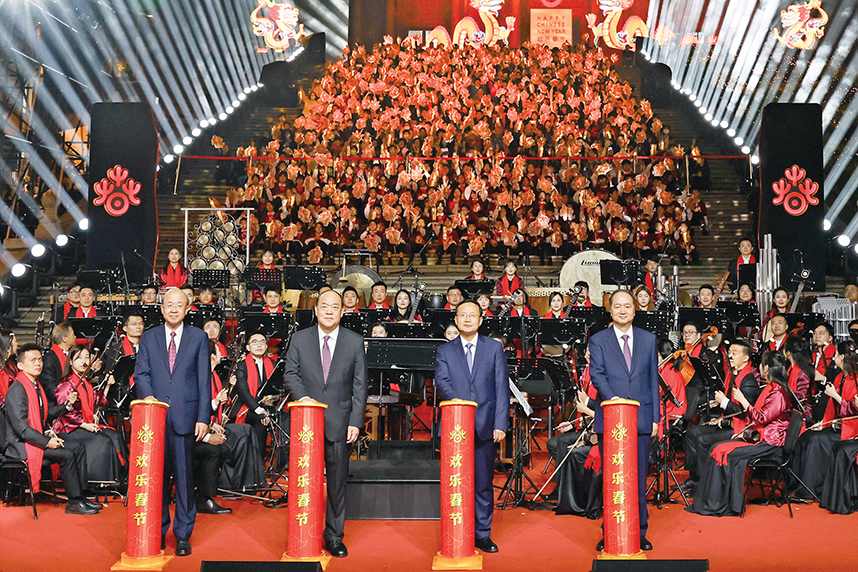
[
  {"x": 326, "y": 358},
  {"x": 627, "y": 351},
  {"x": 171, "y": 351}
]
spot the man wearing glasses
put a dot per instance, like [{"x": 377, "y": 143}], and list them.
[{"x": 250, "y": 375}]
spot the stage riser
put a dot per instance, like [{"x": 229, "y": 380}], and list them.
[
  {"x": 393, "y": 490},
  {"x": 260, "y": 567},
  {"x": 650, "y": 566}
]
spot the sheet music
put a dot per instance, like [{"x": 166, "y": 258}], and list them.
[{"x": 519, "y": 396}]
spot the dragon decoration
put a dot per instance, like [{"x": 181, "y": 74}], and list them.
[
  {"x": 802, "y": 27},
  {"x": 617, "y": 37},
  {"x": 467, "y": 31},
  {"x": 281, "y": 26}
]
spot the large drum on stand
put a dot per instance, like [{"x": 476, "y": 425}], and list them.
[
  {"x": 585, "y": 266},
  {"x": 359, "y": 277}
]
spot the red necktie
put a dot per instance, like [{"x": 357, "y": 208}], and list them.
[{"x": 171, "y": 351}]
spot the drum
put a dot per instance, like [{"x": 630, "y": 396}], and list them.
[
  {"x": 359, "y": 277},
  {"x": 436, "y": 301},
  {"x": 585, "y": 266}
]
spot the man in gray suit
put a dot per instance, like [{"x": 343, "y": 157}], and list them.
[{"x": 327, "y": 364}]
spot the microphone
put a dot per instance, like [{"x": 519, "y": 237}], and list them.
[{"x": 539, "y": 419}]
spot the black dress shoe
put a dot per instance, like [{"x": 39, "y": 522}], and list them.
[
  {"x": 645, "y": 544},
  {"x": 337, "y": 548},
  {"x": 211, "y": 507},
  {"x": 600, "y": 546},
  {"x": 92, "y": 505},
  {"x": 486, "y": 544},
  {"x": 79, "y": 507},
  {"x": 183, "y": 547},
  {"x": 688, "y": 486},
  {"x": 163, "y": 542},
  {"x": 552, "y": 496}
]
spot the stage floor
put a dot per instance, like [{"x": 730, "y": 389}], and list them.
[{"x": 766, "y": 539}]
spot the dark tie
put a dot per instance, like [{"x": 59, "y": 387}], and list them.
[
  {"x": 470, "y": 356},
  {"x": 171, "y": 351},
  {"x": 261, "y": 367},
  {"x": 627, "y": 351},
  {"x": 326, "y": 358}
]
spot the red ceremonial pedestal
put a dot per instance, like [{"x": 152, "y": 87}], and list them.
[
  {"x": 457, "y": 488},
  {"x": 306, "y": 513},
  {"x": 620, "y": 478},
  {"x": 145, "y": 481}
]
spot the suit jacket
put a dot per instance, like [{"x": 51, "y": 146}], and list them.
[
  {"x": 345, "y": 392},
  {"x": 612, "y": 378},
  {"x": 18, "y": 428},
  {"x": 188, "y": 389},
  {"x": 52, "y": 373},
  {"x": 487, "y": 385}
]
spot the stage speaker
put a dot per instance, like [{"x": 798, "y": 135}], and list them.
[
  {"x": 279, "y": 84},
  {"x": 650, "y": 565},
  {"x": 314, "y": 50},
  {"x": 655, "y": 84},
  {"x": 211, "y": 566},
  {"x": 792, "y": 204}
]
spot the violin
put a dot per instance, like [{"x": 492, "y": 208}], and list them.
[{"x": 685, "y": 367}]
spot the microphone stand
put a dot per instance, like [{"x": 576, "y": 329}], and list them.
[
  {"x": 538, "y": 279},
  {"x": 410, "y": 268},
  {"x": 124, "y": 275}
]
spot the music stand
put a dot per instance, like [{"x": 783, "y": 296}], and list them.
[
  {"x": 357, "y": 322},
  {"x": 562, "y": 331},
  {"x": 305, "y": 319},
  {"x": 203, "y": 314},
  {"x": 619, "y": 272},
  {"x": 375, "y": 315},
  {"x": 470, "y": 288},
  {"x": 271, "y": 325},
  {"x": 216, "y": 279},
  {"x": 705, "y": 318},
  {"x": 417, "y": 330},
  {"x": 740, "y": 314},
  {"x": 92, "y": 328},
  {"x": 808, "y": 321},
  {"x": 747, "y": 275},
  {"x": 151, "y": 313},
  {"x": 262, "y": 277},
  {"x": 494, "y": 326},
  {"x": 656, "y": 322},
  {"x": 662, "y": 489},
  {"x": 597, "y": 318},
  {"x": 524, "y": 328},
  {"x": 304, "y": 278}
]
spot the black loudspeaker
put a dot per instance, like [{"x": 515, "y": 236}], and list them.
[
  {"x": 792, "y": 205},
  {"x": 314, "y": 50},
  {"x": 650, "y": 565},
  {"x": 278, "y": 82},
  {"x": 655, "y": 84},
  {"x": 210, "y": 566}
]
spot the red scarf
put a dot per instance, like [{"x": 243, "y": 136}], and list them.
[
  {"x": 506, "y": 286},
  {"x": 67, "y": 308},
  {"x": 128, "y": 350},
  {"x": 267, "y": 310},
  {"x": 383, "y": 306},
  {"x": 174, "y": 277},
  {"x": 848, "y": 390},
  {"x": 594, "y": 460},
  {"x": 87, "y": 398},
  {"x": 217, "y": 386},
  {"x": 591, "y": 392},
  {"x": 253, "y": 380},
  {"x": 37, "y": 420},
  {"x": 736, "y": 382},
  {"x": 723, "y": 450},
  {"x": 525, "y": 311},
  {"x": 751, "y": 260},
  {"x": 61, "y": 355}
]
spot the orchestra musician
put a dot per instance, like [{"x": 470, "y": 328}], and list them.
[
  {"x": 746, "y": 256},
  {"x": 28, "y": 414},
  {"x": 780, "y": 304},
  {"x": 173, "y": 274},
  {"x": 555, "y": 306},
  {"x": 250, "y": 375},
  {"x": 106, "y": 454},
  {"x": 484, "y": 300},
  {"x": 212, "y": 329},
  {"x": 350, "y": 299},
  {"x": 699, "y": 439},
  {"x": 72, "y": 302},
  {"x": 272, "y": 301},
  {"x": 8, "y": 363},
  {"x": 207, "y": 296},
  {"x": 801, "y": 372},
  {"x": 520, "y": 307},
  {"x": 149, "y": 295},
  {"x": 189, "y": 292},
  {"x": 451, "y": 333},
  {"x": 454, "y": 298},
  {"x": 778, "y": 328},
  {"x": 840, "y": 487},
  {"x": 51, "y": 370},
  {"x": 86, "y": 308},
  {"x": 643, "y": 299},
  {"x": 746, "y": 293},
  {"x": 823, "y": 338},
  {"x": 477, "y": 268},
  {"x": 706, "y": 296},
  {"x": 402, "y": 307},
  {"x": 510, "y": 281},
  {"x": 584, "y": 296},
  {"x": 378, "y": 296}
]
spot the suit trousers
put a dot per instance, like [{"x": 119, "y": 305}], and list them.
[
  {"x": 72, "y": 460},
  {"x": 179, "y": 463},
  {"x": 644, "y": 445},
  {"x": 261, "y": 431},
  {"x": 697, "y": 443},
  {"x": 336, "y": 472},
  {"x": 207, "y": 462},
  {"x": 484, "y": 472}
]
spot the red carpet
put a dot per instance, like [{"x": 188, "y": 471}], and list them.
[{"x": 766, "y": 539}]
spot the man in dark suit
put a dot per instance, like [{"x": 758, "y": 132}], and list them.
[
  {"x": 327, "y": 364},
  {"x": 473, "y": 367},
  {"x": 173, "y": 366},
  {"x": 624, "y": 364},
  {"x": 54, "y": 360}
]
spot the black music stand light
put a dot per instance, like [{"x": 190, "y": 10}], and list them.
[
  {"x": 703, "y": 317},
  {"x": 92, "y": 328},
  {"x": 152, "y": 315}
]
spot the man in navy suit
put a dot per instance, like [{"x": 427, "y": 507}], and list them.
[
  {"x": 624, "y": 364},
  {"x": 473, "y": 367},
  {"x": 173, "y": 366}
]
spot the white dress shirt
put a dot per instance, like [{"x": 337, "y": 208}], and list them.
[
  {"x": 178, "y": 331},
  {"x": 332, "y": 341},
  {"x": 630, "y": 334}
]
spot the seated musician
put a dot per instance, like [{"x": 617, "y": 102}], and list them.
[
  {"x": 780, "y": 304},
  {"x": 63, "y": 339},
  {"x": 72, "y": 303},
  {"x": 676, "y": 374},
  {"x": 250, "y": 376},
  {"x": 402, "y": 307},
  {"x": 823, "y": 340},
  {"x": 378, "y": 296},
  {"x": 267, "y": 262},
  {"x": 706, "y": 296},
  {"x": 350, "y": 299},
  {"x": 149, "y": 295},
  {"x": 477, "y": 268},
  {"x": 86, "y": 308},
  {"x": 212, "y": 329},
  {"x": 584, "y": 297},
  {"x": 643, "y": 299},
  {"x": 272, "y": 301},
  {"x": 801, "y": 372},
  {"x": 555, "y": 306},
  {"x": 207, "y": 296},
  {"x": 650, "y": 278},
  {"x": 853, "y": 330},
  {"x": 813, "y": 452},
  {"x": 28, "y": 415},
  {"x": 189, "y": 291},
  {"x": 746, "y": 293},
  {"x": 699, "y": 439},
  {"x": 454, "y": 298},
  {"x": 840, "y": 487},
  {"x": 451, "y": 332},
  {"x": 106, "y": 454},
  {"x": 484, "y": 300},
  {"x": 510, "y": 281},
  {"x": 746, "y": 256},
  {"x": 379, "y": 330},
  {"x": 173, "y": 274},
  {"x": 520, "y": 307},
  {"x": 210, "y": 451},
  {"x": 722, "y": 474},
  {"x": 778, "y": 328}
]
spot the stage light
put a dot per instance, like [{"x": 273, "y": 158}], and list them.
[
  {"x": 230, "y": 109},
  {"x": 235, "y": 103},
  {"x": 223, "y": 116},
  {"x": 709, "y": 117},
  {"x": 247, "y": 90},
  {"x": 242, "y": 96},
  {"x": 254, "y": 87},
  {"x": 714, "y": 123},
  {"x": 739, "y": 141},
  {"x": 178, "y": 149},
  {"x": 731, "y": 132},
  {"x": 746, "y": 150},
  {"x": 19, "y": 269},
  {"x": 843, "y": 240},
  {"x": 212, "y": 121},
  {"x": 196, "y": 131},
  {"x": 38, "y": 250},
  {"x": 724, "y": 125},
  {"x": 61, "y": 240},
  {"x": 187, "y": 140},
  {"x": 755, "y": 159},
  {"x": 169, "y": 158},
  {"x": 83, "y": 224},
  {"x": 204, "y": 123},
  {"x": 826, "y": 224},
  {"x": 692, "y": 98}
]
